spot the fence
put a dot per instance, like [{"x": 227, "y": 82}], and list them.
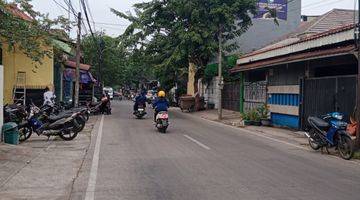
[{"x": 255, "y": 94}]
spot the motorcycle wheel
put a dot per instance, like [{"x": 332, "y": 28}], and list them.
[
  {"x": 86, "y": 116},
  {"x": 162, "y": 130},
  {"x": 24, "y": 133},
  {"x": 345, "y": 147},
  {"x": 68, "y": 135},
  {"x": 312, "y": 141},
  {"x": 81, "y": 121}
]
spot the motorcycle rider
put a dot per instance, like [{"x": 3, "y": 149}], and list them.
[
  {"x": 140, "y": 100},
  {"x": 105, "y": 104},
  {"x": 160, "y": 104}
]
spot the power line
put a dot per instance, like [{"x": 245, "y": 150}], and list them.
[
  {"x": 61, "y": 6},
  {"x": 111, "y": 24},
  {"x": 71, "y": 7},
  {"x": 87, "y": 18},
  {"x": 91, "y": 16}
]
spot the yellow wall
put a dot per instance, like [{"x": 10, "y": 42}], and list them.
[{"x": 36, "y": 78}]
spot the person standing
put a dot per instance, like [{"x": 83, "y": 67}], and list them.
[{"x": 49, "y": 97}]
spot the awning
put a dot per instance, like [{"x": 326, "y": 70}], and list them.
[
  {"x": 72, "y": 64},
  {"x": 85, "y": 76},
  {"x": 63, "y": 46},
  {"x": 298, "y": 57}
]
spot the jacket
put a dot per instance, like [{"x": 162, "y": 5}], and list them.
[
  {"x": 161, "y": 104},
  {"x": 140, "y": 100}
]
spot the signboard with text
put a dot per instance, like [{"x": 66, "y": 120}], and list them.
[{"x": 265, "y": 5}]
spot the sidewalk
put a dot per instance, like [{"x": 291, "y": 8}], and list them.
[
  {"x": 42, "y": 169},
  {"x": 233, "y": 118}
]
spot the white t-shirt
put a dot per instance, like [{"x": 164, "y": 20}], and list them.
[{"x": 49, "y": 98}]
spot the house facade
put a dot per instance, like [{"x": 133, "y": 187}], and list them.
[
  {"x": 37, "y": 76},
  {"x": 263, "y": 32},
  {"x": 309, "y": 73},
  {"x": 21, "y": 75}
]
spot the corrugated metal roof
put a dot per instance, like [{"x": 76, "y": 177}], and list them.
[
  {"x": 333, "y": 19},
  {"x": 329, "y": 37},
  {"x": 295, "y": 58}
]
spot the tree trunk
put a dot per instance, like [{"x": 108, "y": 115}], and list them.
[{"x": 191, "y": 79}]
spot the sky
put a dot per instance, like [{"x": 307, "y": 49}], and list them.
[{"x": 114, "y": 26}]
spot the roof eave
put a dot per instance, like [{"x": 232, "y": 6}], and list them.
[{"x": 303, "y": 45}]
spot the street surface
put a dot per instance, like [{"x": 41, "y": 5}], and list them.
[{"x": 202, "y": 160}]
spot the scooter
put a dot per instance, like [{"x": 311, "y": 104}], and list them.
[
  {"x": 329, "y": 131},
  {"x": 162, "y": 121},
  {"x": 141, "y": 112}
]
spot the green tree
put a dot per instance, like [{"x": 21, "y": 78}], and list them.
[
  {"x": 177, "y": 32},
  {"x": 30, "y": 34},
  {"x": 120, "y": 65}
]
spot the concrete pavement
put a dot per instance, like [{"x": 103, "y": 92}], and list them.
[
  {"x": 42, "y": 169},
  {"x": 198, "y": 159}
]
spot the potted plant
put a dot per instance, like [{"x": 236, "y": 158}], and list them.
[
  {"x": 255, "y": 117},
  {"x": 246, "y": 118},
  {"x": 264, "y": 115}
]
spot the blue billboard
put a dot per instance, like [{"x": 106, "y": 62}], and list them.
[{"x": 281, "y": 7}]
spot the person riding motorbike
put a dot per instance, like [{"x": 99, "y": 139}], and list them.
[
  {"x": 140, "y": 100},
  {"x": 105, "y": 107},
  {"x": 160, "y": 104}
]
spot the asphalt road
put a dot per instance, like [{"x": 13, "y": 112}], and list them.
[{"x": 200, "y": 160}]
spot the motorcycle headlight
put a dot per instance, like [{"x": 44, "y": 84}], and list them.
[{"x": 338, "y": 116}]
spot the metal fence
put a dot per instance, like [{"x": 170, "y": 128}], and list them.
[
  {"x": 231, "y": 96},
  {"x": 254, "y": 95},
  {"x": 329, "y": 94}
]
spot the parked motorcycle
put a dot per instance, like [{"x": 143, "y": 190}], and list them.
[
  {"x": 14, "y": 113},
  {"x": 54, "y": 112},
  {"x": 162, "y": 121},
  {"x": 18, "y": 114},
  {"x": 141, "y": 112},
  {"x": 63, "y": 125},
  {"x": 58, "y": 108},
  {"x": 329, "y": 131}
]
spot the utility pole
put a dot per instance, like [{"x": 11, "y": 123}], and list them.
[
  {"x": 77, "y": 74},
  {"x": 101, "y": 51},
  {"x": 357, "y": 38},
  {"x": 221, "y": 85}
]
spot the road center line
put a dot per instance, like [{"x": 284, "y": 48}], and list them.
[
  {"x": 197, "y": 142},
  {"x": 90, "y": 190}
]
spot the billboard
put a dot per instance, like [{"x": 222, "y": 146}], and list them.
[{"x": 281, "y": 7}]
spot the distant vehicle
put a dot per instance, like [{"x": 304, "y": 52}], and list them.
[
  {"x": 150, "y": 96},
  {"x": 109, "y": 91}
]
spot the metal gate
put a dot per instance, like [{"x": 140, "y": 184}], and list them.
[
  {"x": 231, "y": 96},
  {"x": 325, "y": 95},
  {"x": 254, "y": 94}
]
